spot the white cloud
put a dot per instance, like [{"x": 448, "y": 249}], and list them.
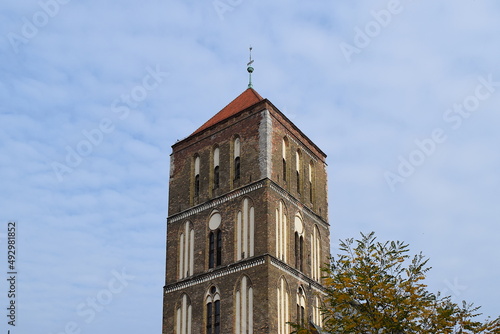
[{"x": 110, "y": 211}]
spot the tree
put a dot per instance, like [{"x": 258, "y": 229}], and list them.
[{"x": 377, "y": 288}]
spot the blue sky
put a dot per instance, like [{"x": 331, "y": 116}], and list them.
[{"x": 403, "y": 96}]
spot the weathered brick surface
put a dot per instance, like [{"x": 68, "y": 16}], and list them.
[
  {"x": 261, "y": 129},
  {"x": 227, "y": 285}
]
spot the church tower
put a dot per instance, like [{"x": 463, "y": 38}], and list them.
[{"x": 247, "y": 227}]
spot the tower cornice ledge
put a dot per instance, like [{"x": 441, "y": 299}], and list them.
[
  {"x": 239, "y": 266},
  {"x": 241, "y": 192},
  {"x": 216, "y": 201},
  {"x": 291, "y": 199}
]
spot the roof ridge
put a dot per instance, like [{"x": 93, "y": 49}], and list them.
[{"x": 246, "y": 99}]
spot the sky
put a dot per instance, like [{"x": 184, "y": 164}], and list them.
[{"x": 403, "y": 97}]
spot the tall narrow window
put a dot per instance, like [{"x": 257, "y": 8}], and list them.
[
  {"x": 217, "y": 317},
  {"x": 301, "y": 307},
  {"x": 244, "y": 307},
  {"x": 237, "y": 163},
  {"x": 299, "y": 251},
  {"x": 186, "y": 251},
  {"x": 297, "y": 257},
  {"x": 209, "y": 317},
  {"x": 214, "y": 240},
  {"x": 183, "y": 316},
  {"x": 218, "y": 251},
  {"x": 213, "y": 311},
  {"x": 315, "y": 254},
  {"x": 283, "y": 307},
  {"x": 299, "y": 243},
  {"x": 284, "y": 169},
  {"x": 297, "y": 169},
  {"x": 197, "y": 176},
  {"x": 245, "y": 231},
  {"x": 284, "y": 147},
  {"x": 281, "y": 232},
  {"x": 215, "y": 249},
  {"x": 311, "y": 182},
  {"x": 211, "y": 250},
  {"x": 216, "y": 168}
]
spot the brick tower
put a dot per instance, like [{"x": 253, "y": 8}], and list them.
[{"x": 247, "y": 227}]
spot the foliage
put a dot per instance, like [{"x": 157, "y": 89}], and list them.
[{"x": 375, "y": 287}]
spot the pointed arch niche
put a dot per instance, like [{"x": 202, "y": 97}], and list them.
[
  {"x": 214, "y": 240},
  {"x": 299, "y": 242},
  {"x": 317, "y": 318},
  {"x": 244, "y": 306},
  {"x": 212, "y": 311},
  {"x": 281, "y": 232},
  {"x": 216, "y": 172},
  {"x": 284, "y": 155},
  {"x": 196, "y": 176},
  {"x": 183, "y": 315},
  {"x": 186, "y": 251},
  {"x": 245, "y": 230},
  {"x": 316, "y": 254},
  {"x": 237, "y": 160},
  {"x": 283, "y": 300},
  {"x": 301, "y": 306}
]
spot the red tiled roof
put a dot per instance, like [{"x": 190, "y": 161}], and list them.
[{"x": 246, "y": 99}]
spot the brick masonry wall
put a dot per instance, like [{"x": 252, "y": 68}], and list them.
[
  {"x": 297, "y": 141},
  {"x": 227, "y": 286},
  {"x": 181, "y": 186},
  {"x": 309, "y": 223},
  {"x": 228, "y": 212}
]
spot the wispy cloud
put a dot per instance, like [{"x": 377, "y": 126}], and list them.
[{"x": 58, "y": 84}]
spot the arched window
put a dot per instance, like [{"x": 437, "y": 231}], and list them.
[
  {"x": 297, "y": 169},
  {"x": 284, "y": 148},
  {"x": 197, "y": 176},
  {"x": 283, "y": 307},
  {"x": 215, "y": 249},
  {"x": 183, "y": 316},
  {"x": 317, "y": 318},
  {"x": 281, "y": 232},
  {"x": 301, "y": 307},
  {"x": 311, "y": 191},
  {"x": 244, "y": 307},
  {"x": 245, "y": 233},
  {"x": 186, "y": 251},
  {"x": 218, "y": 256},
  {"x": 214, "y": 240},
  {"x": 299, "y": 243},
  {"x": 316, "y": 254},
  {"x": 216, "y": 168},
  {"x": 212, "y": 302},
  {"x": 237, "y": 163}
]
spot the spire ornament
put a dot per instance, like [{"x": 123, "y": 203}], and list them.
[{"x": 250, "y": 70}]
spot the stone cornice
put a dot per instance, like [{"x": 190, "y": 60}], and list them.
[
  {"x": 308, "y": 212},
  {"x": 217, "y": 272},
  {"x": 243, "y": 191},
  {"x": 305, "y": 149},
  {"x": 297, "y": 274},
  {"x": 216, "y": 201},
  {"x": 240, "y": 266}
]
